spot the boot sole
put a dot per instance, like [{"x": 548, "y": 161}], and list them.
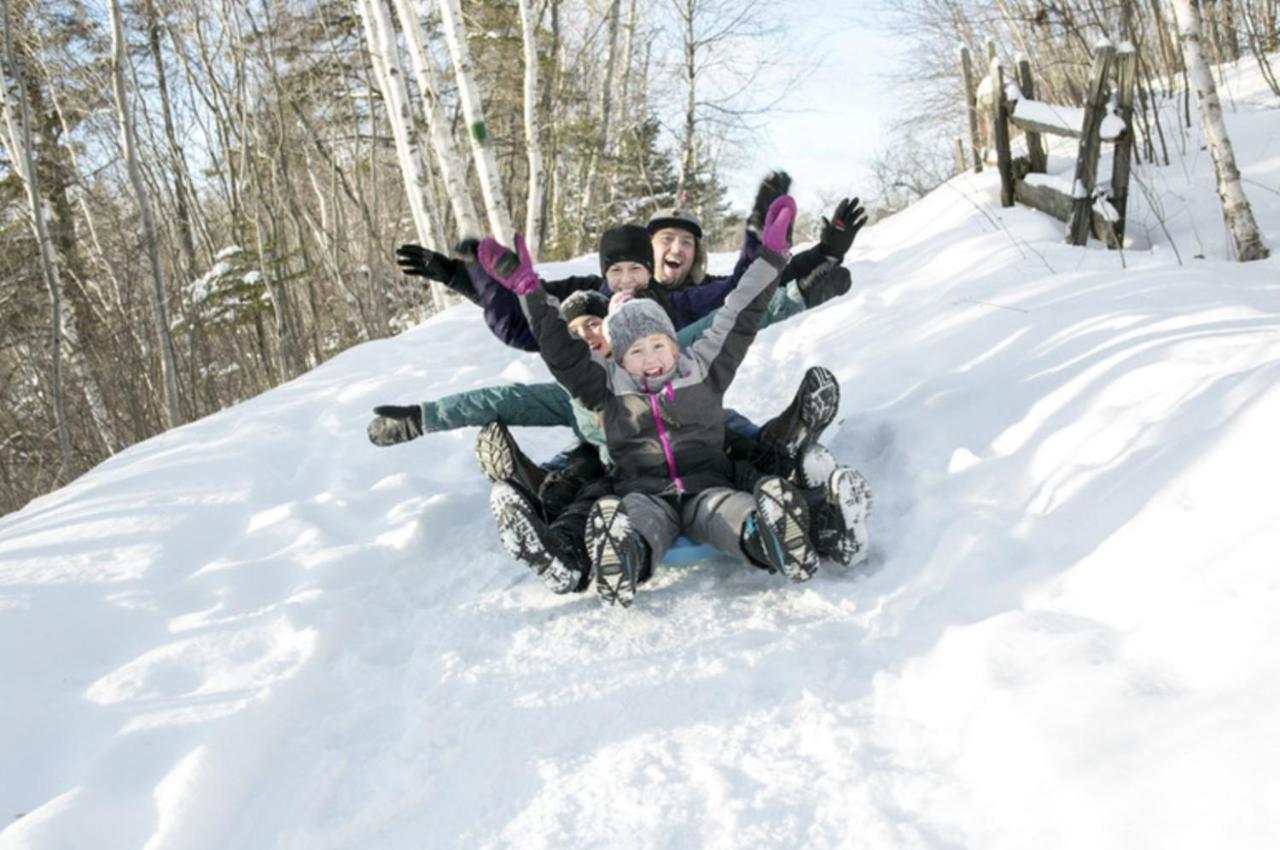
[
  {"x": 848, "y": 491},
  {"x": 616, "y": 554},
  {"x": 521, "y": 533},
  {"x": 784, "y": 529},
  {"x": 821, "y": 393}
]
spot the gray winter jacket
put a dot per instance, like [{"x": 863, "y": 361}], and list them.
[{"x": 665, "y": 435}]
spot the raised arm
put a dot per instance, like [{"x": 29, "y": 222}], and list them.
[
  {"x": 568, "y": 357},
  {"x": 724, "y": 345}
]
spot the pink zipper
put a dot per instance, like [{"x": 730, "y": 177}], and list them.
[{"x": 662, "y": 433}]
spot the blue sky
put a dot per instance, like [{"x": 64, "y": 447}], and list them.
[{"x": 835, "y": 119}]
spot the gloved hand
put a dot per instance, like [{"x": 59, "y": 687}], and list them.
[
  {"x": 774, "y": 184},
  {"x": 465, "y": 249},
  {"x": 777, "y": 225},
  {"x": 423, "y": 262},
  {"x": 514, "y": 271},
  {"x": 839, "y": 232},
  {"x": 395, "y": 424},
  {"x": 825, "y": 282}
]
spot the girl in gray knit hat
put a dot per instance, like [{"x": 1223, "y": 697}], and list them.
[{"x": 663, "y": 416}]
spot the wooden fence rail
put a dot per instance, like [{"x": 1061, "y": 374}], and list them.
[{"x": 1107, "y": 116}]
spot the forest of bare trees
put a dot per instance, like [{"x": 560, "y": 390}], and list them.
[{"x": 199, "y": 199}]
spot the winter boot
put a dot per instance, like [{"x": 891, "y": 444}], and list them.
[
  {"x": 528, "y": 540},
  {"x": 809, "y": 413},
  {"x": 840, "y": 524},
  {"x": 777, "y": 534},
  {"x": 619, "y": 555},
  {"x": 500, "y": 459},
  {"x": 814, "y": 466}
]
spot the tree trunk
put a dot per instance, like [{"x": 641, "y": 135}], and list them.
[
  {"x": 452, "y": 168},
  {"x": 486, "y": 167},
  {"x": 381, "y": 39},
  {"x": 533, "y": 144},
  {"x": 687, "y": 151},
  {"x": 168, "y": 363},
  {"x": 1235, "y": 205}
]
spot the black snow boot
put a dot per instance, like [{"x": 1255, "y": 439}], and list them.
[
  {"x": 810, "y": 412},
  {"x": 619, "y": 555},
  {"x": 500, "y": 459},
  {"x": 840, "y": 523},
  {"x": 531, "y": 542},
  {"x": 776, "y": 536}
]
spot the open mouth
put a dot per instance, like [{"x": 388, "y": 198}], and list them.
[
  {"x": 653, "y": 372},
  {"x": 673, "y": 264}
]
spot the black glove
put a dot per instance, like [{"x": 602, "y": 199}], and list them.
[
  {"x": 839, "y": 232},
  {"x": 395, "y": 424},
  {"x": 423, "y": 262},
  {"x": 824, "y": 283},
  {"x": 774, "y": 184}
]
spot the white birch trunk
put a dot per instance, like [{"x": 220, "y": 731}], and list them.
[
  {"x": 1235, "y": 205},
  {"x": 129, "y": 146},
  {"x": 453, "y": 171},
  {"x": 486, "y": 167},
  {"x": 591, "y": 201},
  {"x": 380, "y": 36},
  {"x": 533, "y": 202}
]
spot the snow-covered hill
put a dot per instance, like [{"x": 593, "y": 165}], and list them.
[{"x": 259, "y": 631}]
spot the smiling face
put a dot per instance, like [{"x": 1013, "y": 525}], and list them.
[
  {"x": 650, "y": 356},
  {"x": 626, "y": 276},
  {"x": 674, "y": 250},
  {"x": 590, "y": 329}
]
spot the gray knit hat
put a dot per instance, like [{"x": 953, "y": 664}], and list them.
[
  {"x": 634, "y": 320},
  {"x": 584, "y": 302}
]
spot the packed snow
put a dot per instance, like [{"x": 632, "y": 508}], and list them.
[{"x": 260, "y": 631}]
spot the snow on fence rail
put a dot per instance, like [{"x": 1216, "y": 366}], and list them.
[{"x": 1107, "y": 116}]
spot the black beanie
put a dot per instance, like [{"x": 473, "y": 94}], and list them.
[
  {"x": 627, "y": 243},
  {"x": 584, "y": 302}
]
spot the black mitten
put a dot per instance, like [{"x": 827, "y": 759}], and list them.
[
  {"x": 838, "y": 233},
  {"x": 824, "y": 283},
  {"x": 423, "y": 262},
  {"x": 395, "y": 424},
  {"x": 774, "y": 185}
]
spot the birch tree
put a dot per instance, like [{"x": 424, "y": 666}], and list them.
[
  {"x": 486, "y": 165},
  {"x": 386, "y": 66},
  {"x": 1235, "y": 205},
  {"x": 533, "y": 146},
  {"x": 453, "y": 171},
  {"x": 129, "y": 146}
]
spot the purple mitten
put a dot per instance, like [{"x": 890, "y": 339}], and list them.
[
  {"x": 776, "y": 222},
  {"x": 512, "y": 271}
]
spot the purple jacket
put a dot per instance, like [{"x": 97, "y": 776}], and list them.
[{"x": 685, "y": 304}]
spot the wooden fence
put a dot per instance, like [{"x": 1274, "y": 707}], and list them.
[{"x": 1107, "y": 116}]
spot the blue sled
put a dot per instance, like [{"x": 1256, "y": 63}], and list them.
[{"x": 685, "y": 551}]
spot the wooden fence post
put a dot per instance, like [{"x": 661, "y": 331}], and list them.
[
  {"x": 1000, "y": 133},
  {"x": 1086, "y": 175},
  {"x": 1126, "y": 74},
  {"x": 971, "y": 107},
  {"x": 1035, "y": 147}
]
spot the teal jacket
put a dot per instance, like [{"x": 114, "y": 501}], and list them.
[{"x": 549, "y": 403}]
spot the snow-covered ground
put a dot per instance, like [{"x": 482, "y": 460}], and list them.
[{"x": 259, "y": 631}]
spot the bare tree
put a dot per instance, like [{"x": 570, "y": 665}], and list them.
[
  {"x": 533, "y": 203},
  {"x": 495, "y": 200},
  {"x": 1235, "y": 205}
]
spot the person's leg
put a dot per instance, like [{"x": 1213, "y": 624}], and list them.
[{"x": 716, "y": 517}]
